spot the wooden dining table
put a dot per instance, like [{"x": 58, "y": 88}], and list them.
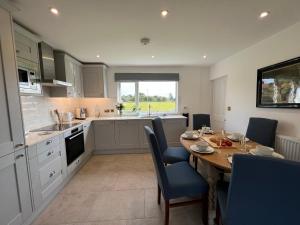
[{"x": 216, "y": 163}]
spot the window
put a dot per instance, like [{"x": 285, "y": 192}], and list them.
[{"x": 137, "y": 96}]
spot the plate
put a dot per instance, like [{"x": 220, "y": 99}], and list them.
[
  {"x": 208, "y": 150},
  {"x": 274, "y": 154},
  {"x": 195, "y": 137},
  {"x": 235, "y": 140}
]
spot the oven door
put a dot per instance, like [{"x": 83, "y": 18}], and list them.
[{"x": 74, "y": 146}]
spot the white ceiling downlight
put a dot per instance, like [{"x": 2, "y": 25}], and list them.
[
  {"x": 164, "y": 13},
  {"x": 264, "y": 14},
  {"x": 54, "y": 11},
  {"x": 98, "y": 56},
  {"x": 205, "y": 57},
  {"x": 153, "y": 56}
]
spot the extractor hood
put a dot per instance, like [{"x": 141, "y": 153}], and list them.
[{"x": 48, "y": 67}]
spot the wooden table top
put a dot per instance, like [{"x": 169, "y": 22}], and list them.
[{"x": 219, "y": 158}]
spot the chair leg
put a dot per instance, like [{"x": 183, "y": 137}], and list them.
[
  {"x": 158, "y": 194},
  {"x": 167, "y": 208},
  {"x": 205, "y": 210}
]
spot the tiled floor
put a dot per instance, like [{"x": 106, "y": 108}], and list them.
[{"x": 114, "y": 190}]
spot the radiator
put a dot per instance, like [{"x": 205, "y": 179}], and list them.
[{"x": 288, "y": 146}]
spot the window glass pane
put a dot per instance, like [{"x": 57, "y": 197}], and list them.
[
  {"x": 161, "y": 95},
  {"x": 127, "y": 95}
]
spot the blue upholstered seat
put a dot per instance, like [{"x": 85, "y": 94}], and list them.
[
  {"x": 200, "y": 120},
  {"x": 263, "y": 191},
  {"x": 175, "y": 154},
  {"x": 262, "y": 131},
  {"x": 169, "y": 154},
  {"x": 185, "y": 181},
  {"x": 177, "y": 180}
]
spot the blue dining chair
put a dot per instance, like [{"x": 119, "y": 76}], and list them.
[
  {"x": 262, "y": 191},
  {"x": 169, "y": 154},
  {"x": 262, "y": 131},
  {"x": 177, "y": 180},
  {"x": 200, "y": 120}
]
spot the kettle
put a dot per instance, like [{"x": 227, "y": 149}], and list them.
[{"x": 80, "y": 113}]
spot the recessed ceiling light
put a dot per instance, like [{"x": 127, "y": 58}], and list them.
[
  {"x": 164, "y": 13},
  {"x": 54, "y": 11},
  {"x": 264, "y": 14},
  {"x": 153, "y": 56},
  {"x": 98, "y": 56},
  {"x": 205, "y": 57}
]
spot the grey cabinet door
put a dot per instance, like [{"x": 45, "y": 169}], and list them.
[
  {"x": 173, "y": 129},
  {"x": 11, "y": 133},
  {"x": 143, "y": 138},
  {"x": 104, "y": 132},
  {"x": 127, "y": 134},
  {"x": 94, "y": 81},
  {"x": 26, "y": 48},
  {"x": 89, "y": 142},
  {"x": 15, "y": 201}
]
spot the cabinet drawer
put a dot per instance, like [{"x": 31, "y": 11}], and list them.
[
  {"x": 47, "y": 144},
  {"x": 49, "y": 155},
  {"x": 49, "y": 172}
]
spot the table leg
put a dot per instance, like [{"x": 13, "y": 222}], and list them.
[{"x": 212, "y": 176}]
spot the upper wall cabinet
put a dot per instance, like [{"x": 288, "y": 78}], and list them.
[
  {"x": 26, "y": 48},
  {"x": 70, "y": 70},
  {"x": 94, "y": 80}
]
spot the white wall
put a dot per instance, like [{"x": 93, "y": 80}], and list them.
[
  {"x": 194, "y": 86},
  {"x": 241, "y": 69}
]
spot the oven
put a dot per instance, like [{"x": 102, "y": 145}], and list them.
[
  {"x": 74, "y": 144},
  {"x": 29, "y": 78}
]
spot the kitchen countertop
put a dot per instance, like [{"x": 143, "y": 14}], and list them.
[{"x": 33, "y": 138}]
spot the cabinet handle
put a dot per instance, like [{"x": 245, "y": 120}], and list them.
[
  {"x": 49, "y": 142},
  {"x": 19, "y": 145},
  {"x": 20, "y": 156},
  {"x": 51, "y": 174}
]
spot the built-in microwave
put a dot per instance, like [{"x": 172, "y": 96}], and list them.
[{"x": 29, "y": 77}]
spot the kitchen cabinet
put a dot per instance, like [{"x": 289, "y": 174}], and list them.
[
  {"x": 26, "y": 48},
  {"x": 89, "y": 141},
  {"x": 127, "y": 134},
  {"x": 173, "y": 129},
  {"x": 104, "y": 134},
  {"x": 12, "y": 132},
  {"x": 94, "y": 80},
  {"x": 47, "y": 163},
  {"x": 143, "y": 138},
  {"x": 15, "y": 201},
  {"x": 70, "y": 70}
]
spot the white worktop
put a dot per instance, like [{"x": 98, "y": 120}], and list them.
[{"x": 33, "y": 138}]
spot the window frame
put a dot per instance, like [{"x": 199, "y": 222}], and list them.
[{"x": 137, "y": 102}]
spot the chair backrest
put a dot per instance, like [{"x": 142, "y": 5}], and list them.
[
  {"x": 263, "y": 190},
  {"x": 200, "y": 120},
  {"x": 262, "y": 131},
  {"x": 160, "y": 134},
  {"x": 157, "y": 160}
]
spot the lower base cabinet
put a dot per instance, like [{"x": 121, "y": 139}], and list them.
[
  {"x": 15, "y": 198},
  {"x": 47, "y": 169},
  {"x": 128, "y": 136}
]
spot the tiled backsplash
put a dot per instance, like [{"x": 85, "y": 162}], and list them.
[{"x": 38, "y": 110}]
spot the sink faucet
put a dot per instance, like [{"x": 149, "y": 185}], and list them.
[{"x": 149, "y": 110}]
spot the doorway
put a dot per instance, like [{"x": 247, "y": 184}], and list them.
[{"x": 218, "y": 103}]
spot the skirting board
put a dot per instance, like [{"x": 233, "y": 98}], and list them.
[{"x": 120, "y": 151}]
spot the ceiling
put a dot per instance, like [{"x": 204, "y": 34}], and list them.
[{"x": 193, "y": 28}]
